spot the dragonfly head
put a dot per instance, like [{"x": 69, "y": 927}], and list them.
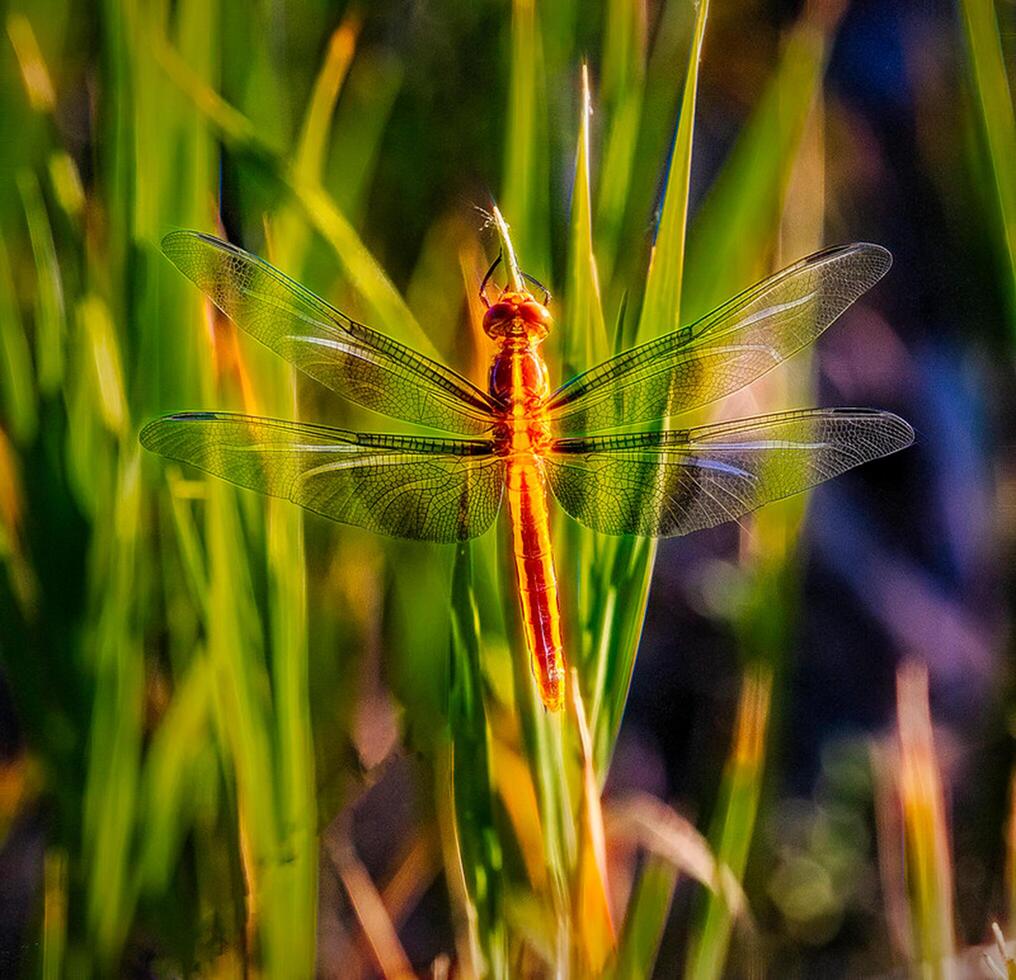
[{"x": 518, "y": 315}]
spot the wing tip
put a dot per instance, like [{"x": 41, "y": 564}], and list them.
[
  {"x": 172, "y": 240},
  {"x": 882, "y": 255},
  {"x": 149, "y": 434},
  {"x": 177, "y": 242},
  {"x": 905, "y": 431},
  {"x": 899, "y": 433},
  {"x": 879, "y": 257}
]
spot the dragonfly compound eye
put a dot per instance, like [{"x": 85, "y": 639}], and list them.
[
  {"x": 497, "y": 321},
  {"x": 536, "y": 316}
]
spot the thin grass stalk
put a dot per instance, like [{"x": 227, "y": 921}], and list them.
[
  {"x": 736, "y": 815},
  {"x": 926, "y": 838}
]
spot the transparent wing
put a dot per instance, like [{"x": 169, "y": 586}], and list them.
[
  {"x": 363, "y": 365},
  {"x": 403, "y": 486},
  {"x": 725, "y": 350},
  {"x": 663, "y": 484}
]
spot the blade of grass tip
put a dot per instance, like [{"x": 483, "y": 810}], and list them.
[
  {"x": 1008, "y": 969},
  {"x": 735, "y": 821},
  {"x": 50, "y": 326},
  {"x": 584, "y": 343},
  {"x": 922, "y": 801},
  {"x": 585, "y": 340},
  {"x": 16, "y": 371},
  {"x": 631, "y": 569},
  {"x": 995, "y": 108}
]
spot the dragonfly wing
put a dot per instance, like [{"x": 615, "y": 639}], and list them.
[
  {"x": 403, "y": 486},
  {"x": 663, "y": 484},
  {"x": 363, "y": 365},
  {"x": 725, "y": 350}
]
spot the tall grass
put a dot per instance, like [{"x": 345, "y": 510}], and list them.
[{"x": 205, "y": 679}]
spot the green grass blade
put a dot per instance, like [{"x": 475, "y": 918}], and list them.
[
  {"x": 114, "y": 749},
  {"x": 645, "y": 920},
  {"x": 477, "y": 839},
  {"x": 168, "y": 792},
  {"x": 734, "y": 822},
  {"x": 16, "y": 370},
  {"x": 661, "y": 304},
  {"x": 994, "y": 103},
  {"x": 50, "y": 320},
  {"x": 585, "y": 335}
]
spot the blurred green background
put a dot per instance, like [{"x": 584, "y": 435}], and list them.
[{"x": 239, "y": 740}]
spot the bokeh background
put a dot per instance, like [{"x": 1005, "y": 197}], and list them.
[{"x": 221, "y": 722}]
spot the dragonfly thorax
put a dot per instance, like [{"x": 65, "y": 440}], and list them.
[
  {"x": 517, "y": 315},
  {"x": 518, "y": 377}
]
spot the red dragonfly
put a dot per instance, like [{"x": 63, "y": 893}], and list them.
[{"x": 519, "y": 435}]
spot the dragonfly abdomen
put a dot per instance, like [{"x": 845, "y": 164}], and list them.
[{"x": 536, "y": 579}]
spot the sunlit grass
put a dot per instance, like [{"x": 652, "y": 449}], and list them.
[{"x": 197, "y": 671}]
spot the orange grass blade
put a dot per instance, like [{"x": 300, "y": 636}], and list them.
[
  {"x": 596, "y": 936},
  {"x": 922, "y": 804}
]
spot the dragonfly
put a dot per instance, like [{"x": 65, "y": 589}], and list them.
[{"x": 521, "y": 441}]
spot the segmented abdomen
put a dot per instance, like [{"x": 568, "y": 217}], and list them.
[{"x": 537, "y": 581}]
